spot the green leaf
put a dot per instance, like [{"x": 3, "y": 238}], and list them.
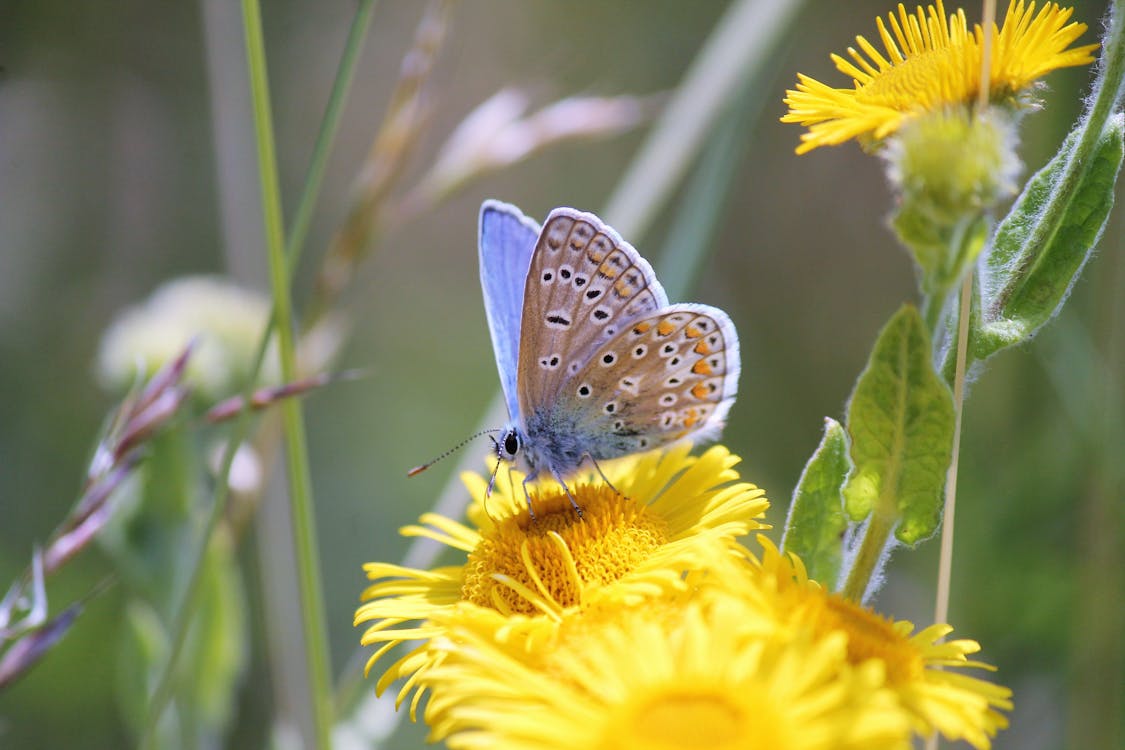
[
  {"x": 217, "y": 647},
  {"x": 816, "y": 520},
  {"x": 1042, "y": 244},
  {"x": 151, "y": 538},
  {"x": 143, "y": 643},
  {"x": 900, "y": 420}
]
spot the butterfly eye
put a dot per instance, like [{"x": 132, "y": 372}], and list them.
[{"x": 511, "y": 443}]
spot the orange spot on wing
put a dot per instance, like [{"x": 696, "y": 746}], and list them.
[
  {"x": 702, "y": 348},
  {"x": 700, "y": 390},
  {"x": 640, "y": 328},
  {"x": 701, "y": 368},
  {"x": 690, "y": 418},
  {"x": 664, "y": 328},
  {"x": 624, "y": 288},
  {"x": 692, "y": 332}
]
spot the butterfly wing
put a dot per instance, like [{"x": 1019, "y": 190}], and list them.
[
  {"x": 506, "y": 242},
  {"x": 584, "y": 287},
  {"x": 667, "y": 376}
]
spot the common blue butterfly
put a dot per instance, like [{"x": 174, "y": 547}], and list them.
[{"x": 594, "y": 362}]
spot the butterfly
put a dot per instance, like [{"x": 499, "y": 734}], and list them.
[{"x": 594, "y": 362}]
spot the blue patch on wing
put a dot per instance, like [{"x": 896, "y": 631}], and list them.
[{"x": 506, "y": 241}]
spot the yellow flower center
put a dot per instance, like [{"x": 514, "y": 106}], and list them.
[
  {"x": 559, "y": 554},
  {"x": 872, "y": 636},
  {"x": 916, "y": 83}
]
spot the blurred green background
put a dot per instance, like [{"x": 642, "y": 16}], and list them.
[{"x": 124, "y": 163}]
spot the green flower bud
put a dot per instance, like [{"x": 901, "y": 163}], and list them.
[{"x": 948, "y": 169}]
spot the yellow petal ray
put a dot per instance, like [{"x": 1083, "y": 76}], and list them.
[{"x": 932, "y": 61}]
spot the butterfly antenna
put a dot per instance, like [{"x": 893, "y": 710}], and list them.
[
  {"x": 419, "y": 469},
  {"x": 492, "y": 479}
]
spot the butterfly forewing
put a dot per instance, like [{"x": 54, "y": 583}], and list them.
[
  {"x": 506, "y": 240},
  {"x": 585, "y": 286},
  {"x": 666, "y": 376}
]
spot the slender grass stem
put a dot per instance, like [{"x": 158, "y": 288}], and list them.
[
  {"x": 698, "y": 216},
  {"x": 945, "y": 561},
  {"x": 326, "y": 136},
  {"x": 945, "y": 564},
  {"x": 294, "y": 245},
  {"x": 296, "y": 453},
  {"x": 987, "y": 21},
  {"x": 740, "y": 46}
]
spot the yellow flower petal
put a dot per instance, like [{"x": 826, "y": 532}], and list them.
[
  {"x": 697, "y": 672},
  {"x": 918, "y": 666},
  {"x": 521, "y": 578},
  {"x": 933, "y": 62}
]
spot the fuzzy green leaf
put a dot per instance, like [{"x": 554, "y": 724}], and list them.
[
  {"x": 816, "y": 520},
  {"x": 1042, "y": 244},
  {"x": 217, "y": 644},
  {"x": 900, "y": 420},
  {"x": 143, "y": 644}
]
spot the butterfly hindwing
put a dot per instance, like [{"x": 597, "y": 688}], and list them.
[
  {"x": 506, "y": 242},
  {"x": 667, "y": 376},
  {"x": 585, "y": 286}
]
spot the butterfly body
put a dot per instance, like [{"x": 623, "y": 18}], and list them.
[{"x": 594, "y": 362}]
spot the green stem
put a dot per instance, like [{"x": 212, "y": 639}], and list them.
[
  {"x": 932, "y": 305},
  {"x": 298, "y": 232},
  {"x": 314, "y": 178},
  {"x": 741, "y": 45},
  {"x": 296, "y": 453},
  {"x": 1109, "y": 87},
  {"x": 866, "y": 561},
  {"x": 705, "y": 194},
  {"x": 963, "y": 245},
  {"x": 185, "y": 613},
  {"x": 1111, "y": 84}
]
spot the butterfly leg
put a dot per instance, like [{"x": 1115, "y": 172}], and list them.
[
  {"x": 527, "y": 495},
  {"x": 573, "y": 503},
  {"x": 600, "y": 472}
]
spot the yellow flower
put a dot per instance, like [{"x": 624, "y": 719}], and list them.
[
  {"x": 522, "y": 577},
  {"x": 917, "y": 665},
  {"x": 932, "y": 62},
  {"x": 694, "y": 672}
]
